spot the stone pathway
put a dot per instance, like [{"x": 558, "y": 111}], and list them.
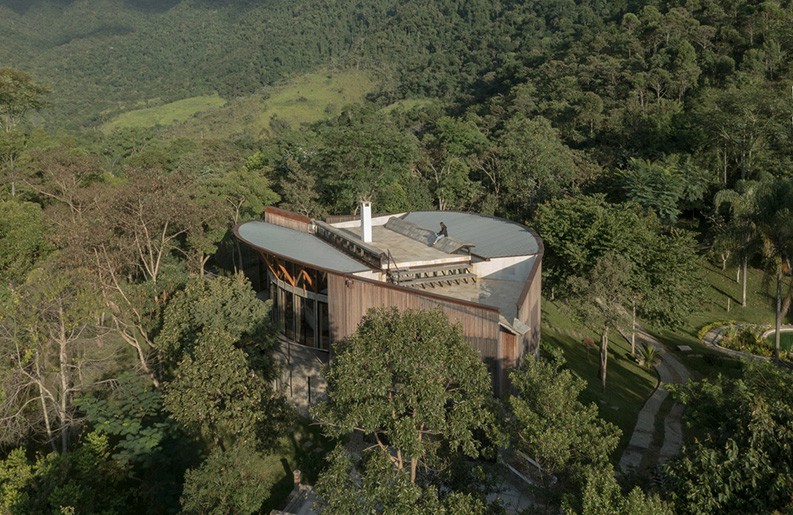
[{"x": 670, "y": 371}]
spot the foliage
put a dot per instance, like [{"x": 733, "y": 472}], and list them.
[
  {"x": 85, "y": 480},
  {"x": 225, "y": 305},
  {"x": 132, "y": 418},
  {"x": 576, "y": 231},
  {"x": 663, "y": 274},
  {"x": 383, "y": 489},
  {"x": 49, "y": 356},
  {"x": 233, "y": 480},
  {"x": 654, "y": 186},
  {"x": 534, "y": 165},
  {"x": 22, "y": 239},
  {"x": 740, "y": 460},
  {"x": 705, "y": 329},
  {"x": 19, "y": 93},
  {"x": 601, "y": 298},
  {"x": 745, "y": 338},
  {"x": 215, "y": 395},
  {"x": 602, "y": 495},
  {"x": 412, "y": 383},
  {"x": 552, "y": 425},
  {"x": 649, "y": 355},
  {"x": 15, "y": 473}
]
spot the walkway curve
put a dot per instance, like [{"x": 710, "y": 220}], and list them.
[
  {"x": 712, "y": 338},
  {"x": 670, "y": 371}
]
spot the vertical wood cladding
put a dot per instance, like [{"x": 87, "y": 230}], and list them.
[
  {"x": 280, "y": 217},
  {"x": 349, "y": 298},
  {"x": 529, "y": 311}
]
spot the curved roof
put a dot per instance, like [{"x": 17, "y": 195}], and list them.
[
  {"x": 297, "y": 246},
  {"x": 493, "y": 237}
]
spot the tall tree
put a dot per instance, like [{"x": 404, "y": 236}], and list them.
[
  {"x": 226, "y": 304},
  {"x": 552, "y": 425},
  {"x": 22, "y": 240},
  {"x": 602, "y": 298},
  {"x": 413, "y": 384},
  {"x": 741, "y": 231},
  {"x": 775, "y": 228},
  {"x": 740, "y": 459},
  {"x": 19, "y": 94},
  {"x": 48, "y": 337}
]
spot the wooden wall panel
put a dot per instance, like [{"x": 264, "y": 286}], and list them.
[
  {"x": 349, "y": 299},
  {"x": 287, "y": 219},
  {"x": 529, "y": 312}
]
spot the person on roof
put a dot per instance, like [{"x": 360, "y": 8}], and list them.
[{"x": 443, "y": 233}]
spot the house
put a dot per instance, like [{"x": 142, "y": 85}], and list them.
[{"x": 323, "y": 276}]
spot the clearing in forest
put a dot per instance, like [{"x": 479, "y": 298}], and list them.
[
  {"x": 302, "y": 100},
  {"x": 165, "y": 114}
]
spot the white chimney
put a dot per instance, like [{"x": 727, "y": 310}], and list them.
[{"x": 366, "y": 221}]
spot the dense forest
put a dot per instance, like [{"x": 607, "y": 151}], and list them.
[{"x": 644, "y": 140}]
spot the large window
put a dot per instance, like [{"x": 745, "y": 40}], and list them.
[{"x": 300, "y": 302}]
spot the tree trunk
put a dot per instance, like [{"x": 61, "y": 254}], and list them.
[
  {"x": 778, "y": 321},
  {"x": 744, "y": 275},
  {"x": 63, "y": 363},
  {"x": 604, "y": 349},
  {"x": 633, "y": 332}
]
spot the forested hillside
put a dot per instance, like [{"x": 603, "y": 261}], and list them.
[{"x": 650, "y": 143}]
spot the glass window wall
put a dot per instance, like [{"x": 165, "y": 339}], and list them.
[{"x": 300, "y": 302}]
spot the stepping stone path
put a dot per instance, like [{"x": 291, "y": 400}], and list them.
[{"x": 670, "y": 371}]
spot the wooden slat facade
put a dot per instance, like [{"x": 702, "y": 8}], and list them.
[
  {"x": 349, "y": 298},
  {"x": 288, "y": 219},
  {"x": 529, "y": 310}
]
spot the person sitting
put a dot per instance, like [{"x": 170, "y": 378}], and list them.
[{"x": 443, "y": 233}]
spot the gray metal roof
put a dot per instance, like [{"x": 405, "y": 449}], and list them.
[
  {"x": 297, "y": 246},
  {"x": 493, "y": 237}
]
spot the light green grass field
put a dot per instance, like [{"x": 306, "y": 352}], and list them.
[
  {"x": 165, "y": 114},
  {"x": 301, "y": 100},
  {"x": 313, "y": 97}
]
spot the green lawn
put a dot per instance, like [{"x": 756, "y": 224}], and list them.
[
  {"x": 785, "y": 340},
  {"x": 627, "y": 386},
  {"x": 720, "y": 286},
  {"x": 165, "y": 114}
]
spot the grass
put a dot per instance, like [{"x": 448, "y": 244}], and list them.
[
  {"x": 785, "y": 340},
  {"x": 302, "y": 100},
  {"x": 316, "y": 96},
  {"x": 720, "y": 286},
  {"x": 627, "y": 385},
  {"x": 304, "y": 449},
  {"x": 165, "y": 114}
]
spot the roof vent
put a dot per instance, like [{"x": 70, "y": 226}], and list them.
[{"x": 366, "y": 221}]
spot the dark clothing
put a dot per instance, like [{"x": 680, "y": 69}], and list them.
[{"x": 443, "y": 231}]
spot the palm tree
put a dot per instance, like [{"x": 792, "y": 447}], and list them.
[
  {"x": 741, "y": 231},
  {"x": 774, "y": 222},
  {"x": 649, "y": 355}
]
